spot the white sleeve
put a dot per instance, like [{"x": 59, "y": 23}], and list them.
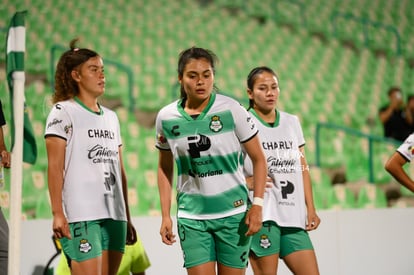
[
  {"x": 161, "y": 140},
  {"x": 58, "y": 123},
  {"x": 245, "y": 126},
  {"x": 118, "y": 128},
  {"x": 407, "y": 148}
]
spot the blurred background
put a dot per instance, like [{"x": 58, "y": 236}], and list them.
[{"x": 335, "y": 61}]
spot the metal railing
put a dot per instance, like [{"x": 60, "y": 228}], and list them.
[{"x": 353, "y": 132}]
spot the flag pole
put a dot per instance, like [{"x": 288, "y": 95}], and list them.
[
  {"x": 16, "y": 44},
  {"x": 23, "y": 139},
  {"x": 16, "y": 176}
]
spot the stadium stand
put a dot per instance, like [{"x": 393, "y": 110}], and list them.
[{"x": 328, "y": 72}]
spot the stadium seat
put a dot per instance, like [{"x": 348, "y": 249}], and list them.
[
  {"x": 321, "y": 196},
  {"x": 43, "y": 209},
  {"x": 341, "y": 197},
  {"x": 371, "y": 196}
]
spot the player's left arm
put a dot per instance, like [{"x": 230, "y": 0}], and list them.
[
  {"x": 255, "y": 152},
  {"x": 131, "y": 237},
  {"x": 394, "y": 166},
  {"x": 313, "y": 220}
]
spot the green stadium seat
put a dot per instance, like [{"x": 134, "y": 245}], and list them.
[
  {"x": 320, "y": 177},
  {"x": 341, "y": 197},
  {"x": 371, "y": 196},
  {"x": 406, "y": 192},
  {"x": 321, "y": 195},
  {"x": 43, "y": 208}
]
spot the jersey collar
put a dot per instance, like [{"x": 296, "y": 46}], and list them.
[
  {"x": 202, "y": 114},
  {"x": 87, "y": 108},
  {"x": 264, "y": 122}
]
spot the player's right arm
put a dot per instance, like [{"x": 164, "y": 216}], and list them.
[
  {"x": 394, "y": 166},
  {"x": 165, "y": 180},
  {"x": 254, "y": 215},
  {"x": 56, "y": 147}
]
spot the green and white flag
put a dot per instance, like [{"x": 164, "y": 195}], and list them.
[{"x": 15, "y": 49}]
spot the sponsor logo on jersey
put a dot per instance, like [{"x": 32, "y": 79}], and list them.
[
  {"x": 250, "y": 120},
  {"x": 54, "y": 122},
  {"x": 272, "y": 145},
  {"x": 265, "y": 242},
  {"x": 287, "y": 188},
  {"x": 68, "y": 128},
  {"x": 174, "y": 130},
  {"x": 100, "y": 133},
  {"x": 198, "y": 144},
  {"x": 215, "y": 124},
  {"x": 101, "y": 154},
  {"x": 85, "y": 246},
  {"x": 278, "y": 165},
  {"x": 209, "y": 173},
  {"x": 110, "y": 180},
  {"x": 201, "y": 162}
]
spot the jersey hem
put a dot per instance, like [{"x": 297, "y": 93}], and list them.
[{"x": 185, "y": 215}]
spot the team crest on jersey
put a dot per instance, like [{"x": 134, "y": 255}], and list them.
[
  {"x": 264, "y": 241},
  {"x": 215, "y": 124},
  {"x": 85, "y": 246}
]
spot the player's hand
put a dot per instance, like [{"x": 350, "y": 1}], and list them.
[
  {"x": 61, "y": 227},
  {"x": 131, "y": 236},
  {"x": 167, "y": 235},
  {"x": 254, "y": 220},
  {"x": 313, "y": 221},
  {"x": 5, "y": 159}
]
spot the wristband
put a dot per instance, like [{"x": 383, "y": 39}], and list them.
[{"x": 258, "y": 201}]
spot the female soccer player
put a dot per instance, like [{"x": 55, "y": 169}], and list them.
[
  {"x": 288, "y": 210},
  {"x": 204, "y": 133},
  {"x": 86, "y": 177}
]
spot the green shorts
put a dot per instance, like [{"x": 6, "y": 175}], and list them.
[
  {"x": 90, "y": 238},
  {"x": 220, "y": 240},
  {"x": 134, "y": 260},
  {"x": 273, "y": 239}
]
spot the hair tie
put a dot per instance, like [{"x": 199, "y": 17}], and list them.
[{"x": 76, "y": 49}]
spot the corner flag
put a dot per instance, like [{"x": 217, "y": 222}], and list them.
[{"x": 15, "y": 49}]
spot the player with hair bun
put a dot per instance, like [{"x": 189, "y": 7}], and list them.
[{"x": 86, "y": 177}]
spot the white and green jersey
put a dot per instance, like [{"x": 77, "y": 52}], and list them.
[
  {"x": 284, "y": 202},
  {"x": 407, "y": 148},
  {"x": 208, "y": 155},
  {"x": 92, "y": 178}
]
